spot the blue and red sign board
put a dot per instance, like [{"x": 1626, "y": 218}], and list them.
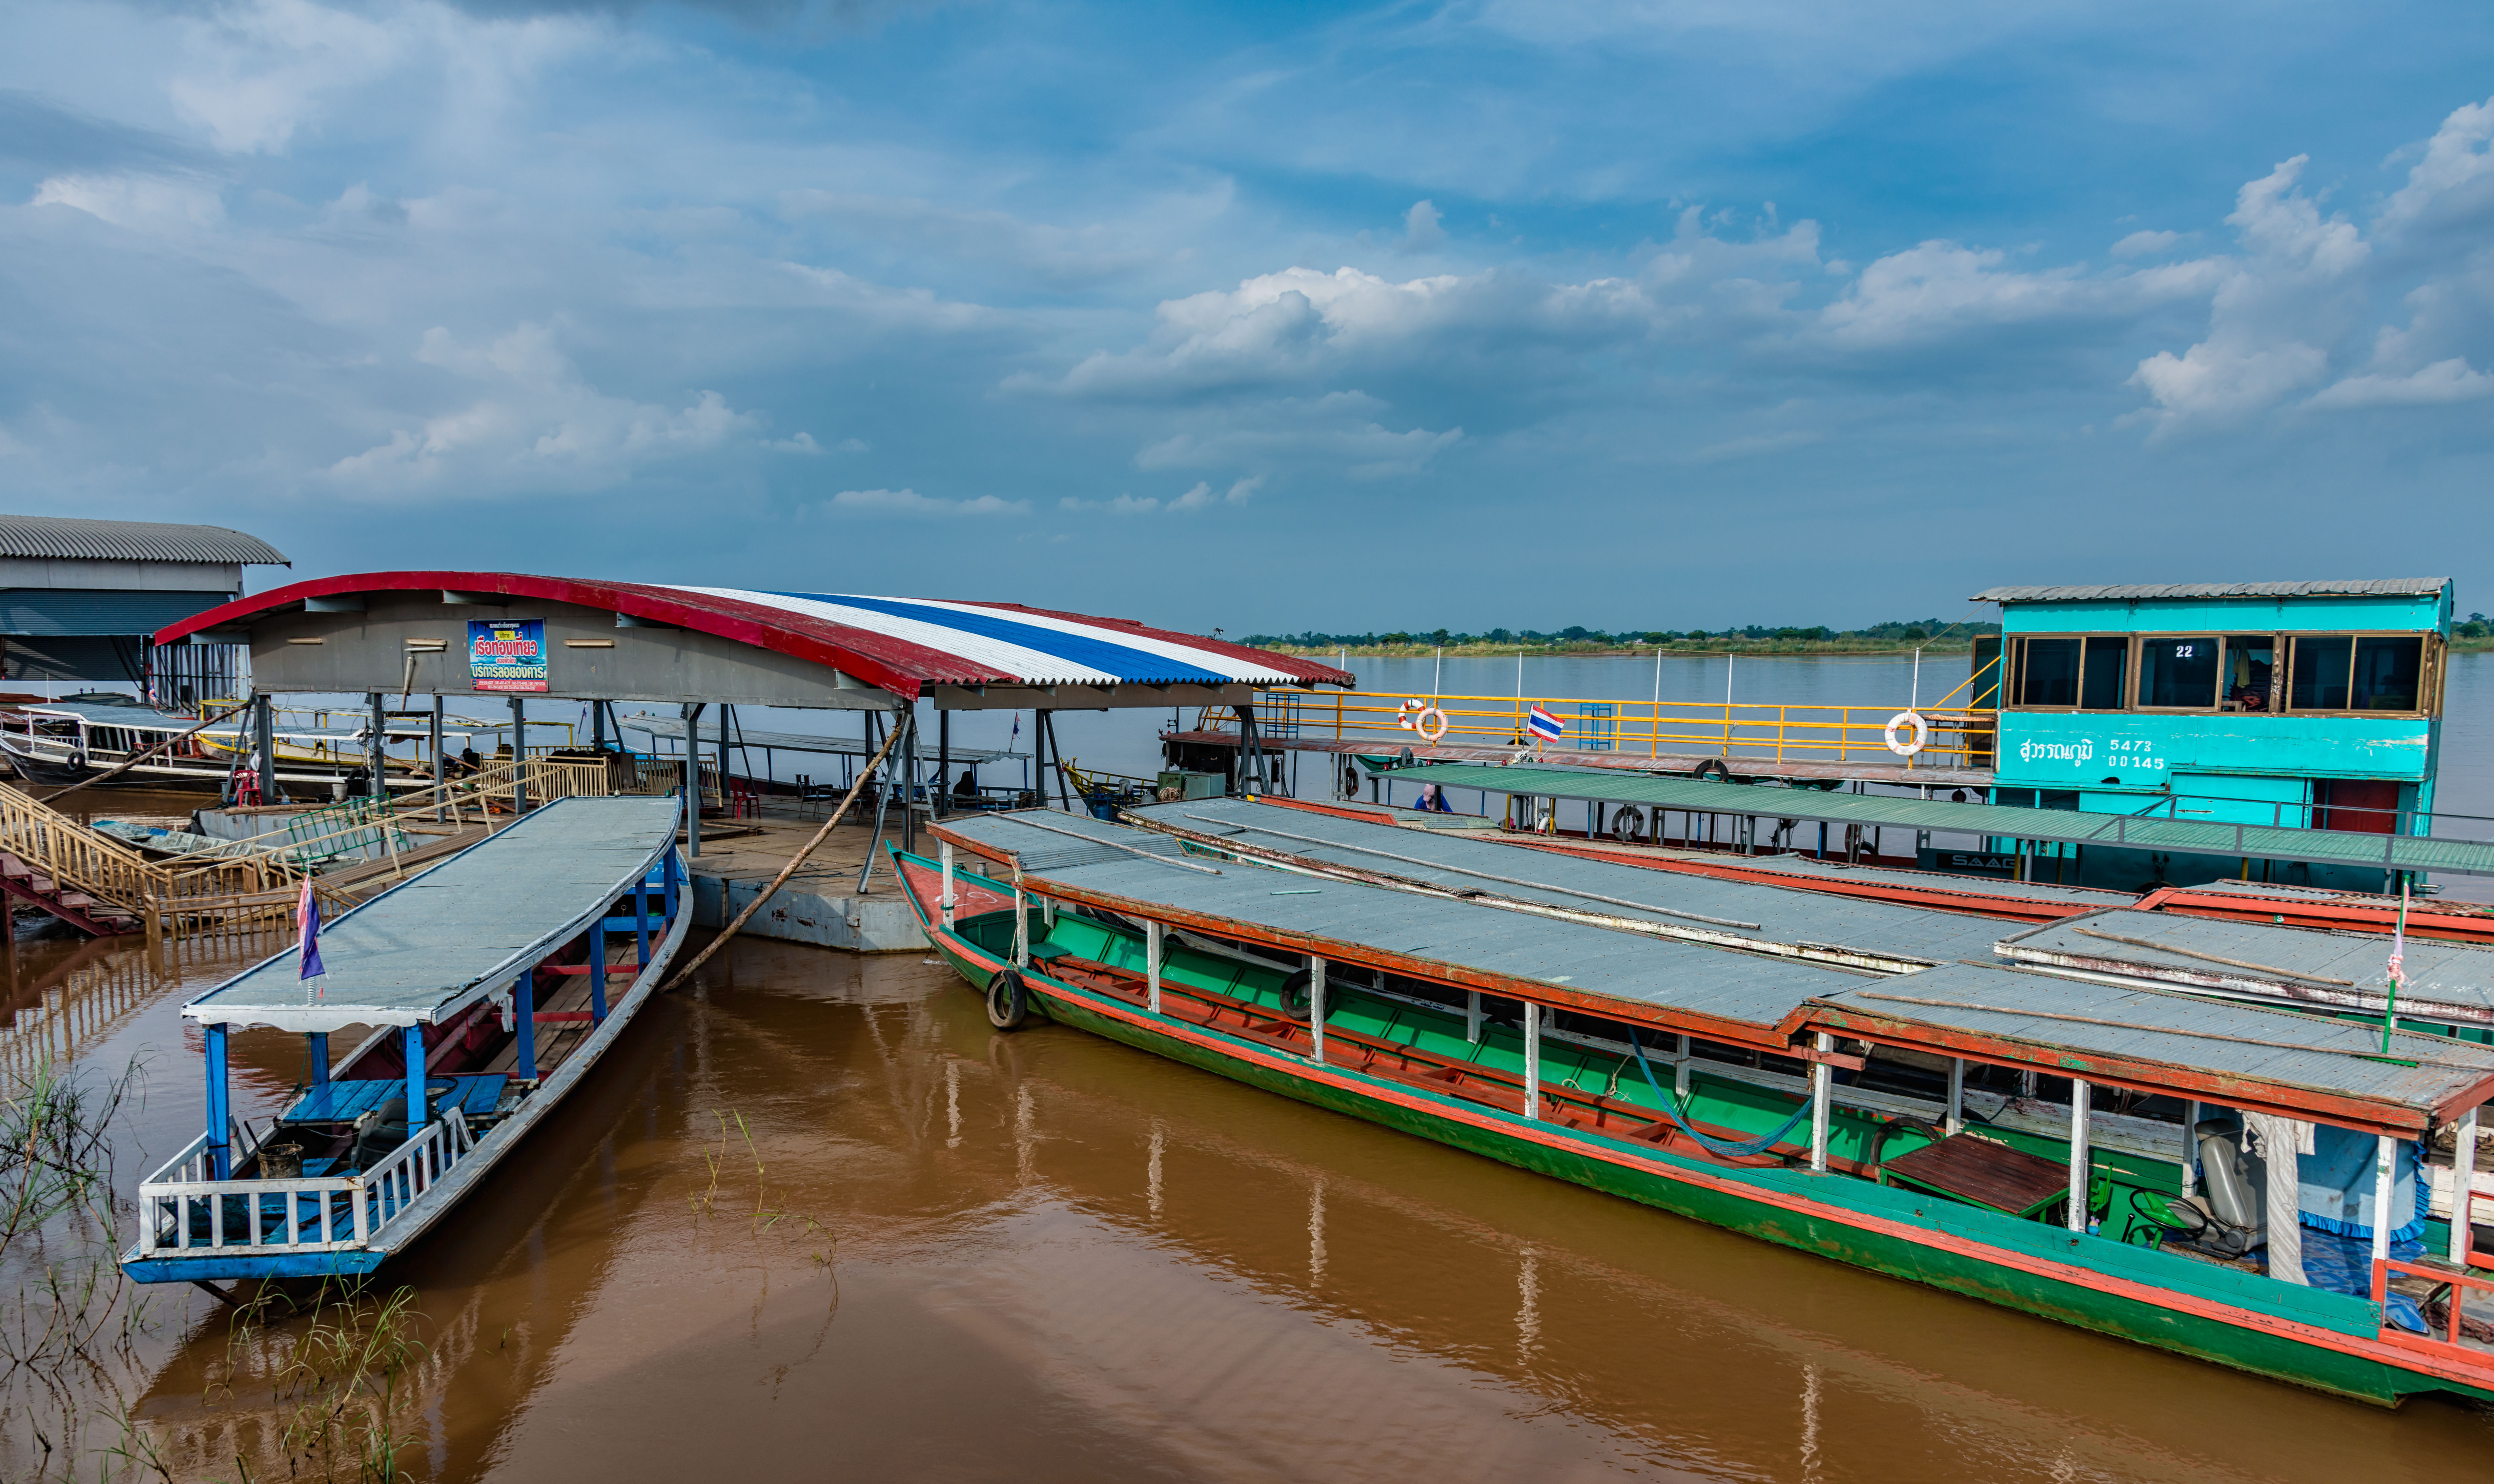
[{"x": 507, "y": 653}]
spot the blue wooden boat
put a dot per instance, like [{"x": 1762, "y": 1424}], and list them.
[{"x": 488, "y": 979}]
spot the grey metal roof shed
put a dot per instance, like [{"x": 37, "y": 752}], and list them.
[{"x": 2368, "y": 587}]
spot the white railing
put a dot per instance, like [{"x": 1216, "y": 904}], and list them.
[{"x": 185, "y": 1211}]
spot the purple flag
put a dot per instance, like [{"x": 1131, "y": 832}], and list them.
[{"x": 307, "y": 925}]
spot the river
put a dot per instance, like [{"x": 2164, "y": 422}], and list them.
[{"x": 814, "y": 1218}]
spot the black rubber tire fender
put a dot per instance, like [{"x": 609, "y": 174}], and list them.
[
  {"x": 1009, "y": 1005},
  {"x": 1296, "y": 992}
]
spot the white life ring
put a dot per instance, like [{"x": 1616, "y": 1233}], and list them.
[
  {"x": 1922, "y": 734},
  {"x": 1407, "y": 717},
  {"x": 1421, "y": 723}
]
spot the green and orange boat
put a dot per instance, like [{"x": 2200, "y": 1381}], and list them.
[{"x": 2245, "y": 1184}]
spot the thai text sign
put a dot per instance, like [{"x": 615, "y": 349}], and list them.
[{"x": 507, "y": 653}]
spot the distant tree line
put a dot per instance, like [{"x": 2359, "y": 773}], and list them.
[{"x": 1897, "y": 631}]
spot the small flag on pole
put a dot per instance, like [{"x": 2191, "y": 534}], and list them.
[
  {"x": 306, "y": 930},
  {"x": 1546, "y": 727}
]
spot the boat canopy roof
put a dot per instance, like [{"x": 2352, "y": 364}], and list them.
[
  {"x": 1461, "y": 862},
  {"x": 1714, "y": 992},
  {"x": 2236, "y": 1055},
  {"x": 431, "y": 946},
  {"x": 2270, "y": 842},
  {"x": 2241, "y": 1056},
  {"x": 2450, "y": 981}
]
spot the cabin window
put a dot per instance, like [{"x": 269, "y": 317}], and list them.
[
  {"x": 2108, "y": 671},
  {"x": 2180, "y": 672},
  {"x": 2358, "y": 672},
  {"x": 2250, "y": 664},
  {"x": 2048, "y": 673}
]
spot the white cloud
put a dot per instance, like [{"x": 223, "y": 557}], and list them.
[
  {"x": 536, "y": 425},
  {"x": 803, "y": 443},
  {"x": 1200, "y": 498},
  {"x": 1422, "y": 232},
  {"x": 2442, "y": 383},
  {"x": 143, "y": 203},
  {"x": 2270, "y": 326},
  {"x": 1939, "y": 289},
  {"x": 2146, "y": 244},
  {"x": 909, "y": 502},
  {"x": 1749, "y": 447},
  {"x": 2453, "y": 183}
]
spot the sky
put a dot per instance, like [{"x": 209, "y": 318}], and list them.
[{"x": 1267, "y": 318}]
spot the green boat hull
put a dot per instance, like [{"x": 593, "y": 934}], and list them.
[{"x": 2270, "y": 1329}]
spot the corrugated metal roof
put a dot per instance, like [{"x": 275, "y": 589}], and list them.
[
  {"x": 427, "y": 948},
  {"x": 903, "y": 645},
  {"x": 76, "y": 538},
  {"x": 1785, "y": 916},
  {"x": 2366, "y": 587},
  {"x": 2441, "y": 981},
  {"x": 1584, "y": 960},
  {"x": 2261, "y": 842},
  {"x": 2338, "y": 1058}
]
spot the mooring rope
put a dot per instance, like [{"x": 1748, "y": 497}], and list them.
[{"x": 1758, "y": 1145}]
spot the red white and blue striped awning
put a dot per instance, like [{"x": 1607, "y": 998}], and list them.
[{"x": 905, "y": 645}]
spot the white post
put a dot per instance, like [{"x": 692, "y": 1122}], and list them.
[
  {"x": 947, "y": 900},
  {"x": 2079, "y": 1162},
  {"x": 1680, "y": 1071},
  {"x": 1957, "y": 1096},
  {"x": 2385, "y": 1161},
  {"x": 1021, "y": 924},
  {"x": 1472, "y": 1015},
  {"x": 1822, "y": 1094},
  {"x": 2190, "y": 1146},
  {"x": 1316, "y": 1005},
  {"x": 1152, "y": 964},
  {"x": 1531, "y": 1060},
  {"x": 2463, "y": 1187}
]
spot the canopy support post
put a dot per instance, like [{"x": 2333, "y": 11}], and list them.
[
  {"x": 1531, "y": 1060},
  {"x": 692, "y": 783},
  {"x": 1955, "y": 1096},
  {"x": 412, "y": 1047},
  {"x": 441, "y": 768},
  {"x": 1153, "y": 933},
  {"x": 2190, "y": 1146},
  {"x": 2080, "y": 1162},
  {"x": 1472, "y": 1015},
  {"x": 373, "y": 756},
  {"x": 316, "y": 1051},
  {"x": 519, "y": 757},
  {"x": 524, "y": 1021},
  {"x": 1317, "y": 1007},
  {"x": 597, "y": 969},
  {"x": 946, "y": 902},
  {"x": 2386, "y": 1163},
  {"x": 2463, "y": 1187},
  {"x": 1822, "y": 1094},
  {"x": 943, "y": 767},
  {"x": 220, "y": 1152}
]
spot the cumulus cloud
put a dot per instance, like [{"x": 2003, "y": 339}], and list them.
[
  {"x": 1203, "y": 496},
  {"x": 536, "y": 425},
  {"x": 2443, "y": 382},
  {"x": 152, "y": 204},
  {"x": 1940, "y": 290},
  {"x": 2146, "y": 244},
  {"x": 911, "y": 503}
]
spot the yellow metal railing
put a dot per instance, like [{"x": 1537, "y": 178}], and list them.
[{"x": 1957, "y": 737}]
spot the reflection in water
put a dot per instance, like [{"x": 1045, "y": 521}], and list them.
[{"x": 814, "y": 1216}]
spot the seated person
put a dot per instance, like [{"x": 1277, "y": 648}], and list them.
[{"x": 968, "y": 787}]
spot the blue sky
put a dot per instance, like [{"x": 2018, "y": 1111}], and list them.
[{"x": 1272, "y": 317}]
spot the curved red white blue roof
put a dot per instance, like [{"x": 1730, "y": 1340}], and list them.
[{"x": 903, "y": 645}]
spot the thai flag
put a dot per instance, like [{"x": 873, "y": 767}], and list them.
[
  {"x": 306, "y": 930},
  {"x": 1546, "y": 727}
]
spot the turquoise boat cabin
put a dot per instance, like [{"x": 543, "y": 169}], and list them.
[{"x": 2303, "y": 704}]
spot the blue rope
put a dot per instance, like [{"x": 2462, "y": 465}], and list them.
[{"x": 1758, "y": 1145}]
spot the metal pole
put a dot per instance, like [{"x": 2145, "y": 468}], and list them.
[
  {"x": 372, "y": 750},
  {"x": 1472, "y": 1015},
  {"x": 598, "y": 973},
  {"x": 524, "y": 1018},
  {"x": 2463, "y": 1187},
  {"x": 693, "y": 786},
  {"x": 412, "y": 1049},
  {"x": 1957, "y": 1096},
  {"x": 440, "y": 770},
  {"x": 943, "y": 762},
  {"x": 316, "y": 1051},
  {"x": 220, "y": 1152},
  {"x": 725, "y": 792},
  {"x": 1822, "y": 1084},
  {"x": 1022, "y": 922},
  {"x": 909, "y": 776},
  {"x": 2386, "y": 1162},
  {"x": 1317, "y": 1008},
  {"x": 1680, "y": 1071},
  {"x": 1531, "y": 1060},
  {"x": 1152, "y": 940},
  {"x": 2190, "y": 1177},
  {"x": 2079, "y": 1162},
  {"x": 598, "y": 726},
  {"x": 946, "y": 900},
  {"x": 519, "y": 756},
  {"x": 263, "y": 725}
]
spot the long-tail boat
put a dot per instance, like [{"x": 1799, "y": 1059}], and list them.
[
  {"x": 2098, "y": 1154},
  {"x": 490, "y": 983}
]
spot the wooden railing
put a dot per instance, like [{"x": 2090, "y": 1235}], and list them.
[
  {"x": 185, "y": 1210},
  {"x": 256, "y": 889}
]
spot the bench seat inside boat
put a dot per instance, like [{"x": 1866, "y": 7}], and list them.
[{"x": 344, "y": 1101}]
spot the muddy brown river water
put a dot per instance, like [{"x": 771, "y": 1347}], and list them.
[{"x": 815, "y": 1220}]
